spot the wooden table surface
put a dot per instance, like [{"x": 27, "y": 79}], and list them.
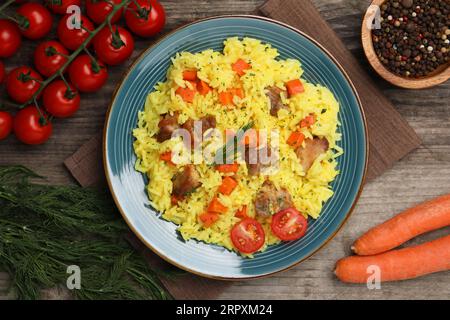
[{"x": 422, "y": 175}]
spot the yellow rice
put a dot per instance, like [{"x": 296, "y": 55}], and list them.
[{"x": 309, "y": 191}]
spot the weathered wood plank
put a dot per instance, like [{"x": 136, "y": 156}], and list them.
[{"x": 419, "y": 176}]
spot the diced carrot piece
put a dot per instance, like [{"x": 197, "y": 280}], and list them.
[
  {"x": 167, "y": 157},
  {"x": 295, "y": 139},
  {"x": 241, "y": 213},
  {"x": 237, "y": 92},
  {"x": 203, "y": 88},
  {"x": 240, "y": 66},
  {"x": 226, "y": 98},
  {"x": 294, "y": 87},
  {"x": 228, "y": 168},
  {"x": 208, "y": 219},
  {"x": 175, "y": 199},
  {"x": 227, "y": 186},
  {"x": 186, "y": 94},
  {"x": 308, "y": 121},
  {"x": 251, "y": 138},
  {"x": 216, "y": 207},
  {"x": 190, "y": 75}
]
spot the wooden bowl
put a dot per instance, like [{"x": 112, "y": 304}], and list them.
[{"x": 438, "y": 76}]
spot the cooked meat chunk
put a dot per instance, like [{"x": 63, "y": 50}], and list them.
[
  {"x": 167, "y": 126},
  {"x": 253, "y": 161},
  {"x": 208, "y": 122},
  {"x": 269, "y": 200},
  {"x": 273, "y": 93},
  {"x": 312, "y": 149},
  {"x": 186, "y": 181}
]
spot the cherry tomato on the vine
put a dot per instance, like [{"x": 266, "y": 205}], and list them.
[
  {"x": 2, "y": 71},
  {"x": 22, "y": 83},
  {"x": 73, "y": 38},
  {"x": 49, "y": 57},
  {"x": 146, "y": 20},
  {"x": 10, "y": 38},
  {"x": 60, "y": 7},
  {"x": 86, "y": 74},
  {"x": 98, "y": 10},
  {"x": 30, "y": 127},
  {"x": 35, "y": 21},
  {"x": 59, "y": 100},
  {"x": 6, "y": 124},
  {"x": 114, "y": 47}
]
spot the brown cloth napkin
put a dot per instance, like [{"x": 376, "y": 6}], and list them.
[{"x": 390, "y": 136}]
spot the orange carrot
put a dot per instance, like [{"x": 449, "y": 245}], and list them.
[
  {"x": 423, "y": 218},
  {"x": 295, "y": 139},
  {"x": 190, "y": 75},
  {"x": 250, "y": 138},
  {"x": 216, "y": 207},
  {"x": 203, "y": 88},
  {"x": 228, "y": 168},
  {"x": 240, "y": 66},
  {"x": 241, "y": 213},
  {"x": 167, "y": 157},
  {"x": 407, "y": 263},
  {"x": 294, "y": 87},
  {"x": 208, "y": 219},
  {"x": 226, "y": 98},
  {"x": 175, "y": 199},
  {"x": 237, "y": 92},
  {"x": 308, "y": 121},
  {"x": 227, "y": 186},
  {"x": 186, "y": 94}
]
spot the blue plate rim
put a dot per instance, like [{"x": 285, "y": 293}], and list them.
[{"x": 131, "y": 68}]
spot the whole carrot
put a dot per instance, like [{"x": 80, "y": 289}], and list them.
[
  {"x": 423, "y": 218},
  {"x": 399, "y": 264}
]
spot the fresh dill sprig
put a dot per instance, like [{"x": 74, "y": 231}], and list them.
[{"x": 44, "y": 229}]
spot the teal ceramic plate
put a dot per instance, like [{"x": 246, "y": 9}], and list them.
[{"x": 128, "y": 185}]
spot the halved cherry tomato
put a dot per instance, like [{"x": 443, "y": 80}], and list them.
[
  {"x": 6, "y": 124},
  {"x": 49, "y": 57},
  {"x": 240, "y": 66},
  {"x": 289, "y": 224},
  {"x": 30, "y": 128},
  {"x": 59, "y": 101},
  {"x": 227, "y": 186},
  {"x": 296, "y": 139},
  {"x": 10, "y": 38},
  {"x": 241, "y": 213},
  {"x": 216, "y": 207},
  {"x": 60, "y": 7},
  {"x": 228, "y": 168},
  {"x": 147, "y": 20},
  {"x": 86, "y": 74},
  {"x": 98, "y": 10},
  {"x": 114, "y": 47},
  {"x": 248, "y": 235},
  {"x": 22, "y": 83},
  {"x": 35, "y": 21},
  {"x": 208, "y": 219},
  {"x": 72, "y": 39},
  {"x": 294, "y": 87}
]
